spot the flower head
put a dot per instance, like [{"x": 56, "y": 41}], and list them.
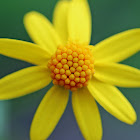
[
  {"x": 62, "y": 54},
  {"x": 72, "y": 66}
]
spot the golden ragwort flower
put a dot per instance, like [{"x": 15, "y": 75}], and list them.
[{"x": 62, "y": 53}]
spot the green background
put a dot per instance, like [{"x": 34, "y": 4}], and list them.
[{"x": 109, "y": 17}]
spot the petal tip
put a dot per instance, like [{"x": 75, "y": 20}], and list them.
[
  {"x": 133, "y": 118},
  {"x": 29, "y": 14}
]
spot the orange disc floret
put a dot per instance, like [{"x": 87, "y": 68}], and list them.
[
  {"x": 59, "y": 57},
  {"x": 61, "y": 82},
  {"x": 81, "y": 56},
  {"x": 71, "y": 77},
  {"x": 67, "y": 81},
  {"x": 57, "y": 76},
  {"x": 75, "y": 65},
  {"x": 72, "y": 66},
  {"x": 59, "y": 65},
  {"x": 72, "y": 69},
  {"x": 64, "y": 55},
  {"x": 70, "y": 57},
  {"x": 68, "y": 72},
  {"x": 70, "y": 63},
  {"x": 63, "y": 61},
  {"x": 63, "y": 77},
  {"x": 65, "y": 67}
]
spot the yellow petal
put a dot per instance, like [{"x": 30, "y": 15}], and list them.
[
  {"x": 79, "y": 21},
  {"x": 24, "y": 51},
  {"x": 113, "y": 101},
  {"x": 24, "y": 82},
  {"x": 117, "y": 74},
  {"x": 87, "y": 114},
  {"x": 49, "y": 113},
  {"x": 41, "y": 31},
  {"x": 118, "y": 47},
  {"x": 60, "y": 18}
]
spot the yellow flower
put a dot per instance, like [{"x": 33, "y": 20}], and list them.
[{"x": 63, "y": 54}]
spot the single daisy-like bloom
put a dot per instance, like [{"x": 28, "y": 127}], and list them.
[{"x": 62, "y": 54}]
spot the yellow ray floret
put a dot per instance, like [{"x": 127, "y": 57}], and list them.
[
  {"x": 24, "y": 82},
  {"x": 49, "y": 112},
  {"x": 118, "y": 47},
  {"x": 113, "y": 101},
  {"x": 117, "y": 74},
  {"x": 25, "y": 51},
  {"x": 41, "y": 31},
  {"x": 87, "y": 114},
  {"x": 60, "y": 19}
]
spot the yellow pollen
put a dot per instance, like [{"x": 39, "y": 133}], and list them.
[
  {"x": 85, "y": 84},
  {"x": 87, "y": 62},
  {"x": 79, "y": 50},
  {"x": 61, "y": 83},
  {"x": 64, "y": 55},
  {"x": 55, "y": 61},
  {"x": 49, "y": 64},
  {"x": 81, "y": 62},
  {"x": 84, "y": 67},
  {"x": 69, "y": 51},
  {"x": 72, "y": 66},
  {"x": 72, "y": 83},
  {"x": 70, "y": 63},
  {"x": 62, "y": 71},
  {"x": 72, "y": 69},
  {"x": 57, "y": 76},
  {"x": 83, "y": 74},
  {"x": 88, "y": 72},
  {"x": 63, "y": 49},
  {"x": 66, "y": 67},
  {"x": 77, "y": 80},
  {"x": 88, "y": 77},
  {"x": 75, "y": 65},
  {"x": 55, "y": 82},
  {"x": 82, "y": 80},
  {"x": 77, "y": 74},
  {"x": 69, "y": 57},
  {"x": 81, "y": 56},
  {"x": 79, "y": 69},
  {"x": 58, "y": 52},
  {"x": 52, "y": 68},
  {"x": 59, "y": 57},
  {"x": 56, "y": 71},
  {"x": 74, "y": 54},
  {"x": 75, "y": 60},
  {"x": 87, "y": 56},
  {"x": 59, "y": 65},
  {"x": 64, "y": 61},
  {"x": 67, "y": 81},
  {"x": 64, "y": 77},
  {"x": 71, "y": 77},
  {"x": 68, "y": 72},
  {"x": 91, "y": 66},
  {"x": 79, "y": 85}
]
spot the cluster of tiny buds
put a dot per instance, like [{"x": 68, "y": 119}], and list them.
[{"x": 72, "y": 66}]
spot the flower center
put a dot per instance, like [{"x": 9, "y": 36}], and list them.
[{"x": 72, "y": 66}]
